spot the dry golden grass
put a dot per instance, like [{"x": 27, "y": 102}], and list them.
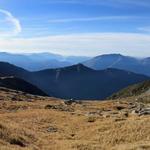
[{"x": 28, "y": 125}]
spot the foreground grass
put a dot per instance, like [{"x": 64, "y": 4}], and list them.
[{"x": 32, "y": 123}]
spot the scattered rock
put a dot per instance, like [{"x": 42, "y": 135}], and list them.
[
  {"x": 59, "y": 107},
  {"x": 141, "y": 110},
  {"x": 119, "y": 107},
  {"x": 119, "y": 119},
  {"x": 52, "y": 129},
  {"x": 18, "y": 141},
  {"x": 70, "y": 102},
  {"x": 73, "y": 134},
  {"x": 95, "y": 113},
  {"x": 145, "y": 111},
  {"x": 114, "y": 113},
  {"x": 134, "y": 112},
  {"x": 91, "y": 119},
  {"x": 49, "y": 107},
  {"x": 125, "y": 114},
  {"x": 106, "y": 115}
]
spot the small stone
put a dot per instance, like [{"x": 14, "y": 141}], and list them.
[
  {"x": 125, "y": 114},
  {"x": 70, "y": 102},
  {"x": 91, "y": 119},
  {"x": 145, "y": 111},
  {"x": 52, "y": 129},
  {"x": 106, "y": 115},
  {"x": 134, "y": 112},
  {"x": 120, "y": 107},
  {"x": 119, "y": 119},
  {"x": 60, "y": 108}
]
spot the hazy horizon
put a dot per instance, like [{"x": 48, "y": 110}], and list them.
[{"x": 91, "y": 56}]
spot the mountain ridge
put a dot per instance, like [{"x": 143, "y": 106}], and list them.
[
  {"x": 75, "y": 82},
  {"x": 118, "y": 61},
  {"x": 18, "y": 84},
  {"x": 40, "y": 61},
  {"x": 133, "y": 90}
]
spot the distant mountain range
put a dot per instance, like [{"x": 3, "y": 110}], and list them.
[
  {"x": 141, "y": 66},
  {"x": 77, "y": 81},
  {"x": 40, "y": 61}
]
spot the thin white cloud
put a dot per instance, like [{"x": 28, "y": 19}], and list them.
[
  {"x": 82, "y": 44},
  {"x": 67, "y": 20},
  {"x": 143, "y": 3},
  {"x": 144, "y": 29},
  {"x": 15, "y": 23}
]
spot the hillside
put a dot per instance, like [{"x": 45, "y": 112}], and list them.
[
  {"x": 118, "y": 61},
  {"x": 20, "y": 85},
  {"x": 80, "y": 82},
  {"x": 77, "y": 81},
  {"x": 7, "y": 69},
  {"x": 133, "y": 90},
  {"x": 31, "y": 122}
]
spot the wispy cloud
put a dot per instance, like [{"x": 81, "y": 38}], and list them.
[
  {"x": 144, "y": 3},
  {"x": 144, "y": 29},
  {"x": 67, "y": 20},
  {"x": 81, "y": 44},
  {"x": 15, "y": 23}
]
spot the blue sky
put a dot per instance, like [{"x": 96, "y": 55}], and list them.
[{"x": 76, "y": 27}]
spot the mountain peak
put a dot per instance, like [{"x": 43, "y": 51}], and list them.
[
  {"x": 79, "y": 68},
  {"x": 110, "y": 55}
]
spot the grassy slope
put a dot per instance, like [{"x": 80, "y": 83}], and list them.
[
  {"x": 133, "y": 90},
  {"x": 26, "y": 124}
]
